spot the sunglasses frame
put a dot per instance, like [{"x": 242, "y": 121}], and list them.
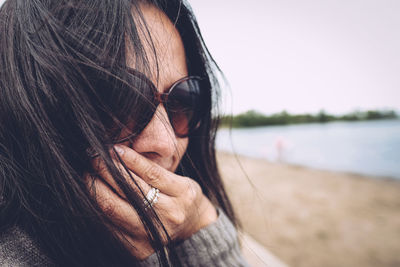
[{"x": 162, "y": 98}]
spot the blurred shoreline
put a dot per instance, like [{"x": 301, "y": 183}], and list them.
[
  {"x": 311, "y": 217},
  {"x": 368, "y": 148},
  {"x": 353, "y": 174}
]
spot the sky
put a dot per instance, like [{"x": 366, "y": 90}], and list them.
[{"x": 304, "y": 55}]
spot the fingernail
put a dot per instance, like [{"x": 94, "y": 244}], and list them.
[{"x": 119, "y": 150}]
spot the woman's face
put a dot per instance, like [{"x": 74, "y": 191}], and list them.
[{"x": 157, "y": 141}]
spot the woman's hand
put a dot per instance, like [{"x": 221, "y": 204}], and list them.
[{"x": 182, "y": 206}]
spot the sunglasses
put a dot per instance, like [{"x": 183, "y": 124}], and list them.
[{"x": 185, "y": 103}]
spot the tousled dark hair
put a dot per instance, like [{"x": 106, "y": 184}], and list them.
[{"x": 64, "y": 89}]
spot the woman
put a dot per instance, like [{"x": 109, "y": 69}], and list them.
[{"x": 107, "y": 137}]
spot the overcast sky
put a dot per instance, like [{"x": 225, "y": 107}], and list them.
[{"x": 305, "y": 55}]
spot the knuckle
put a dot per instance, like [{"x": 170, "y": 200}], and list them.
[
  {"x": 106, "y": 204},
  {"x": 153, "y": 175},
  {"x": 107, "y": 207},
  {"x": 191, "y": 196},
  {"x": 100, "y": 167},
  {"x": 193, "y": 192},
  {"x": 176, "y": 218}
]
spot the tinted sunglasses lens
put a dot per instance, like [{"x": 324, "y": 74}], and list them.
[
  {"x": 183, "y": 105},
  {"x": 136, "y": 103}
]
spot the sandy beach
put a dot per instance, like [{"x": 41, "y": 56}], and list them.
[{"x": 310, "y": 217}]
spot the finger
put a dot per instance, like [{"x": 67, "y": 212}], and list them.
[
  {"x": 121, "y": 212},
  {"x": 132, "y": 232},
  {"x": 167, "y": 182},
  {"x": 135, "y": 182}
]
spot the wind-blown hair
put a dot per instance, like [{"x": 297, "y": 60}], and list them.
[{"x": 65, "y": 88}]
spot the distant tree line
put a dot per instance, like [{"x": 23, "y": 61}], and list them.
[{"x": 254, "y": 118}]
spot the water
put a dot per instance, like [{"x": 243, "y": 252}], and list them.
[{"x": 368, "y": 147}]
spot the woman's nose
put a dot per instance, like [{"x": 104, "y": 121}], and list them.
[{"x": 158, "y": 139}]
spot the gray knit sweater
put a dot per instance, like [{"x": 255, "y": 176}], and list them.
[{"x": 214, "y": 245}]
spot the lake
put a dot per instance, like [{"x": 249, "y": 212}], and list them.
[{"x": 366, "y": 147}]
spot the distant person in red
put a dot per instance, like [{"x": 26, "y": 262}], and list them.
[{"x": 280, "y": 146}]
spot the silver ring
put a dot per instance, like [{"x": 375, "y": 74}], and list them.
[{"x": 151, "y": 197}]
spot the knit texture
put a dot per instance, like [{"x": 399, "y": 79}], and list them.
[
  {"x": 214, "y": 245},
  {"x": 17, "y": 249}
]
